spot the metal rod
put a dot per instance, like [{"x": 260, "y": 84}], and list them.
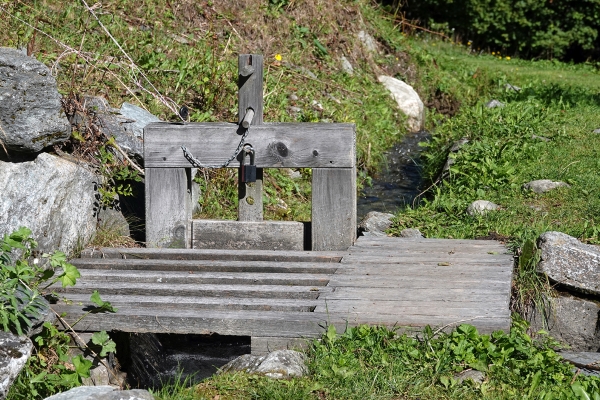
[{"x": 248, "y": 118}]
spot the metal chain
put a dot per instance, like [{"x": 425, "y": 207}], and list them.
[{"x": 197, "y": 164}]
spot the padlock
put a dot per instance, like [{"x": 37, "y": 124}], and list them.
[{"x": 248, "y": 170}]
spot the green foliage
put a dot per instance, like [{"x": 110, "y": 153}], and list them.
[
  {"x": 527, "y": 28},
  {"x": 117, "y": 177}
]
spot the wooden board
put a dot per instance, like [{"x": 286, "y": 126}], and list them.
[
  {"x": 333, "y": 208},
  {"x": 247, "y": 235},
  {"x": 277, "y": 145},
  {"x": 168, "y": 207}
]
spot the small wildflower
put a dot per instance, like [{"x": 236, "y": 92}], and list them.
[
  {"x": 493, "y": 53},
  {"x": 36, "y": 260},
  {"x": 278, "y": 57},
  {"x": 508, "y": 58}
]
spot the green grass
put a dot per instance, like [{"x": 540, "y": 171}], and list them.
[{"x": 377, "y": 363}]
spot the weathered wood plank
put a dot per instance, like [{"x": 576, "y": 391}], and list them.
[
  {"x": 412, "y": 283},
  {"x": 424, "y": 248},
  {"x": 247, "y": 235},
  {"x": 201, "y": 290},
  {"x": 215, "y": 278},
  {"x": 168, "y": 207},
  {"x": 206, "y": 265},
  {"x": 432, "y": 269},
  {"x": 437, "y": 294},
  {"x": 250, "y": 97},
  {"x": 213, "y": 254},
  {"x": 416, "y": 258},
  {"x": 197, "y": 303},
  {"x": 333, "y": 208},
  {"x": 277, "y": 145},
  {"x": 408, "y": 241}
]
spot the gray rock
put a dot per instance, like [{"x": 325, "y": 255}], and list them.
[
  {"x": 583, "y": 359},
  {"x": 102, "y": 393},
  {"x": 470, "y": 374},
  {"x": 112, "y": 220},
  {"x": 375, "y": 223},
  {"x": 294, "y": 110},
  {"x": 512, "y": 87},
  {"x": 542, "y": 138},
  {"x": 346, "y": 66},
  {"x": 567, "y": 261},
  {"x": 31, "y": 114},
  {"x": 543, "y": 185},
  {"x": 596, "y": 130},
  {"x": 456, "y": 146},
  {"x": 367, "y": 41},
  {"x": 481, "y": 207},
  {"x": 411, "y": 233},
  {"x": 14, "y": 353},
  {"x": 408, "y": 101},
  {"x": 99, "y": 376},
  {"x": 53, "y": 197},
  {"x": 570, "y": 320},
  {"x": 137, "y": 119},
  {"x": 278, "y": 364},
  {"x": 494, "y": 104},
  {"x": 293, "y": 97}
]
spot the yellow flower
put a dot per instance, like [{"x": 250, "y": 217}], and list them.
[
  {"x": 278, "y": 57},
  {"x": 493, "y": 53},
  {"x": 507, "y": 57}
]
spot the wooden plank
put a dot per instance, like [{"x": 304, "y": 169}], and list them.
[
  {"x": 406, "y": 242},
  {"x": 260, "y": 346},
  {"x": 201, "y": 290},
  {"x": 250, "y": 96},
  {"x": 213, "y": 254},
  {"x": 333, "y": 208},
  {"x": 215, "y": 278},
  {"x": 428, "y": 248},
  {"x": 168, "y": 207},
  {"x": 196, "y": 303},
  {"x": 412, "y": 283},
  {"x": 491, "y": 271},
  {"x": 205, "y": 265},
  {"x": 446, "y": 294},
  {"x": 277, "y": 145},
  {"x": 247, "y": 235},
  {"x": 413, "y": 259}
]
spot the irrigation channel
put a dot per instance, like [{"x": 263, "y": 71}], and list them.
[{"x": 151, "y": 360}]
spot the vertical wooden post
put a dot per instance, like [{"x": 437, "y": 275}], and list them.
[
  {"x": 250, "y": 95},
  {"x": 333, "y": 208},
  {"x": 168, "y": 207}
]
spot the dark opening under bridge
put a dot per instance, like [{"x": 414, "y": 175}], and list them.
[{"x": 278, "y": 282}]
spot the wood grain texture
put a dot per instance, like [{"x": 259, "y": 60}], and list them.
[
  {"x": 246, "y": 235},
  {"x": 277, "y": 145},
  {"x": 168, "y": 207},
  {"x": 250, "y": 96},
  {"x": 333, "y": 208}
]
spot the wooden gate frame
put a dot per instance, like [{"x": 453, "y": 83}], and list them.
[{"x": 329, "y": 149}]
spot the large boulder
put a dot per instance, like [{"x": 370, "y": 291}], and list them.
[
  {"x": 567, "y": 261},
  {"x": 31, "y": 115},
  {"x": 375, "y": 223},
  {"x": 408, "y": 101},
  {"x": 102, "y": 393},
  {"x": 570, "y": 320},
  {"x": 53, "y": 197},
  {"x": 14, "y": 353}
]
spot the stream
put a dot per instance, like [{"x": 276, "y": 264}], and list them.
[{"x": 399, "y": 181}]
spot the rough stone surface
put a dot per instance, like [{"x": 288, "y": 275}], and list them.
[
  {"x": 278, "y": 364},
  {"x": 411, "y": 233},
  {"x": 596, "y": 130},
  {"x": 31, "y": 115},
  {"x": 14, "y": 353},
  {"x": 456, "y": 146},
  {"x": 375, "y": 223},
  {"x": 583, "y": 359},
  {"x": 512, "y": 87},
  {"x": 567, "y": 261},
  {"x": 481, "y": 207},
  {"x": 494, "y": 104},
  {"x": 570, "y": 320},
  {"x": 470, "y": 374},
  {"x": 99, "y": 376},
  {"x": 112, "y": 220},
  {"x": 368, "y": 41},
  {"x": 543, "y": 185},
  {"x": 137, "y": 119},
  {"x": 408, "y": 101},
  {"x": 102, "y": 393},
  {"x": 53, "y": 197},
  {"x": 346, "y": 66},
  {"x": 542, "y": 138}
]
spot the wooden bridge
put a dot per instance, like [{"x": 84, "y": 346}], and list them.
[
  {"x": 255, "y": 278},
  {"x": 278, "y": 298}
]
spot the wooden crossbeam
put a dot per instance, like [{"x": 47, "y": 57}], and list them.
[{"x": 277, "y": 145}]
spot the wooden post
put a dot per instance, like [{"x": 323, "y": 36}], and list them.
[
  {"x": 250, "y": 96},
  {"x": 168, "y": 207},
  {"x": 333, "y": 208}
]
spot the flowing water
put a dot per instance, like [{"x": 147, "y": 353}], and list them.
[{"x": 399, "y": 181}]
